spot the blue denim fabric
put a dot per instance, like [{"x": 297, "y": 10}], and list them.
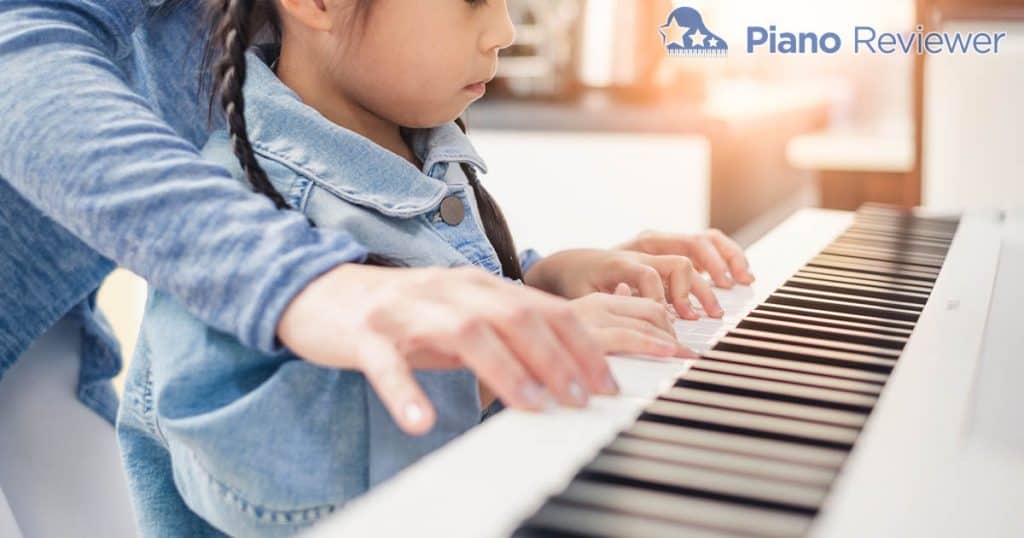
[
  {"x": 266, "y": 444},
  {"x": 100, "y": 122}
]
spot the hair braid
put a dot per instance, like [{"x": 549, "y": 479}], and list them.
[
  {"x": 234, "y": 34},
  {"x": 495, "y": 225}
]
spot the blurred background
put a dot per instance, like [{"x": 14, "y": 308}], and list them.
[{"x": 593, "y": 133}]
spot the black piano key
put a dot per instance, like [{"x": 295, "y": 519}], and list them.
[
  {"x": 911, "y": 242},
  {"x": 719, "y": 515},
  {"x": 804, "y": 318},
  {"x": 779, "y": 391},
  {"x": 797, "y": 366},
  {"x": 917, "y": 263},
  {"x": 880, "y": 285},
  {"x": 914, "y": 285},
  {"x": 708, "y": 364},
  {"x": 781, "y": 429},
  {"x": 685, "y": 480},
  {"x": 858, "y": 264},
  {"x": 893, "y": 247},
  {"x": 847, "y": 307},
  {"x": 766, "y": 449},
  {"x": 831, "y": 315},
  {"x": 767, "y": 406},
  {"x": 817, "y": 330},
  {"x": 564, "y": 520},
  {"x": 861, "y": 290},
  {"x": 721, "y": 461},
  {"x": 826, "y": 343},
  {"x": 896, "y": 306},
  {"x": 806, "y": 354}
]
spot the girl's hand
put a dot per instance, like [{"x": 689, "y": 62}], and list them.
[
  {"x": 387, "y": 322},
  {"x": 629, "y": 325},
  {"x": 711, "y": 251},
  {"x": 575, "y": 273}
]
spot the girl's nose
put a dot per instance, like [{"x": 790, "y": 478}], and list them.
[{"x": 500, "y": 31}]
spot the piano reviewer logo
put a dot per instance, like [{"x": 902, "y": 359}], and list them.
[{"x": 684, "y": 34}]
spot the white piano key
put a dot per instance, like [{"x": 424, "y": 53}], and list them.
[
  {"x": 723, "y": 516},
  {"x": 798, "y": 366},
  {"x": 781, "y": 388},
  {"x": 580, "y": 520},
  {"x": 735, "y": 419},
  {"x": 828, "y": 458},
  {"x": 723, "y": 461},
  {"x": 808, "y": 497},
  {"x": 769, "y": 407},
  {"x": 791, "y": 377}
]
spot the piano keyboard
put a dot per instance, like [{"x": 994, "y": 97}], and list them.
[
  {"x": 797, "y": 421},
  {"x": 749, "y": 440}
]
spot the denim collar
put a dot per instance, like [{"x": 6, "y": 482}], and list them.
[{"x": 284, "y": 129}]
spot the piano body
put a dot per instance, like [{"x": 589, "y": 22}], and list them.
[{"x": 866, "y": 385}]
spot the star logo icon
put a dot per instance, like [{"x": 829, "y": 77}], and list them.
[
  {"x": 713, "y": 42},
  {"x": 697, "y": 39},
  {"x": 671, "y": 32}
]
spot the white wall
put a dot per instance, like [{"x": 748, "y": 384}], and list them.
[
  {"x": 562, "y": 189},
  {"x": 973, "y": 124}
]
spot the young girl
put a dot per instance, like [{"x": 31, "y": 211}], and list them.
[{"x": 352, "y": 118}]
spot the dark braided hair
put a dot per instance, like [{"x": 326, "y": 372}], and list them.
[
  {"x": 235, "y": 28},
  {"x": 236, "y": 25}
]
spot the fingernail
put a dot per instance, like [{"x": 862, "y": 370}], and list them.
[
  {"x": 413, "y": 413},
  {"x": 533, "y": 395},
  {"x": 610, "y": 386},
  {"x": 576, "y": 392}
]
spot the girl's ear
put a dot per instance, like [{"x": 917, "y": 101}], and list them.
[{"x": 315, "y": 14}]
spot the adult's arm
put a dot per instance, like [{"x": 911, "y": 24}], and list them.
[{"x": 82, "y": 146}]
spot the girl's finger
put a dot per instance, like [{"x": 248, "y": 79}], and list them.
[
  {"x": 391, "y": 378},
  {"x": 640, "y": 325},
  {"x": 712, "y": 262},
  {"x": 700, "y": 289},
  {"x": 629, "y": 342},
  {"x": 623, "y": 289},
  {"x": 641, "y": 308},
  {"x": 734, "y": 256}
]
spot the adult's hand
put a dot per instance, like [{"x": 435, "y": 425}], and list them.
[{"x": 386, "y": 322}]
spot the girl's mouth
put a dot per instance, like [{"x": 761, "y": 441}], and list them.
[{"x": 478, "y": 88}]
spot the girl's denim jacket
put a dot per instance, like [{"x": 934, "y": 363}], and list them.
[{"x": 259, "y": 444}]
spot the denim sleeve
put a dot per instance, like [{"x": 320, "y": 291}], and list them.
[
  {"x": 528, "y": 258},
  {"x": 83, "y": 147}
]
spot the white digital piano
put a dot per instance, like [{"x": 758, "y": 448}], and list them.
[{"x": 868, "y": 384}]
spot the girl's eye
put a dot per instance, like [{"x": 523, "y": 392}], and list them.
[{"x": 476, "y": 3}]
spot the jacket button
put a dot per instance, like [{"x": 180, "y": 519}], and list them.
[{"x": 452, "y": 210}]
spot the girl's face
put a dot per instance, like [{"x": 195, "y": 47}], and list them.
[{"x": 415, "y": 63}]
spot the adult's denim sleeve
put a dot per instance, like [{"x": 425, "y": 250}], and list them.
[{"x": 82, "y": 146}]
